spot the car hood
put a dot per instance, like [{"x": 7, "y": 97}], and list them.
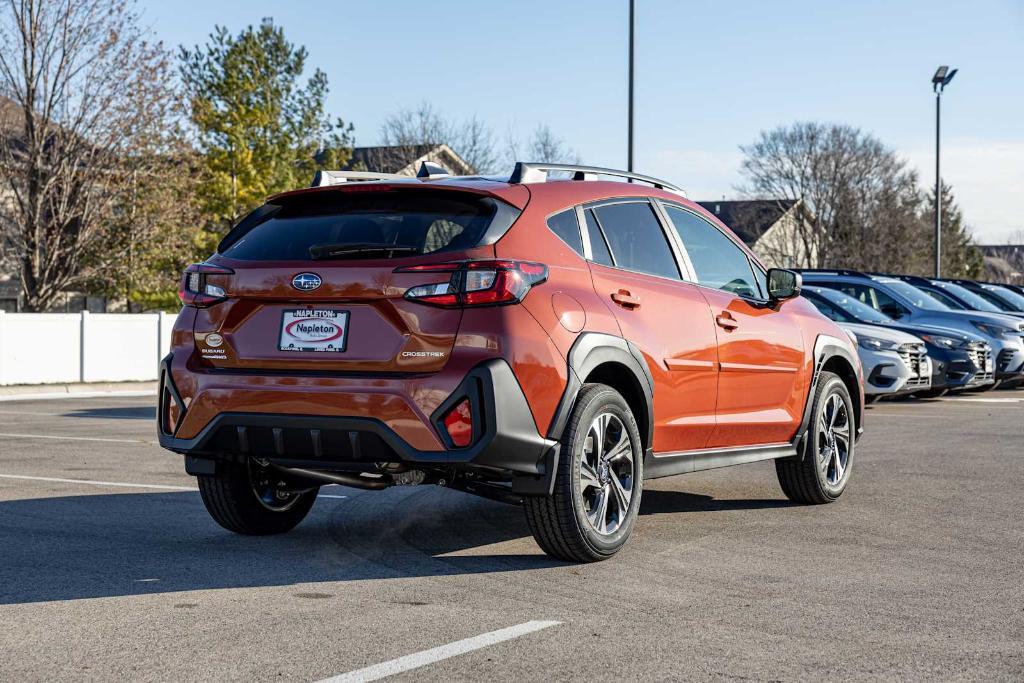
[
  {"x": 881, "y": 333},
  {"x": 983, "y": 317},
  {"x": 959, "y": 335}
]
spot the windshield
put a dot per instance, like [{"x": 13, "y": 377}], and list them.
[
  {"x": 1015, "y": 300},
  {"x": 858, "y": 311},
  {"x": 972, "y": 300},
  {"x": 916, "y": 296},
  {"x": 322, "y": 224}
]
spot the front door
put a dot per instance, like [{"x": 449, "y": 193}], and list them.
[
  {"x": 760, "y": 347},
  {"x": 667, "y": 319}
]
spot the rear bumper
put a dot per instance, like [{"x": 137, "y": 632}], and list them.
[{"x": 505, "y": 435}]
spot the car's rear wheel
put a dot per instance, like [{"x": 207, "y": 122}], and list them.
[
  {"x": 598, "y": 483},
  {"x": 250, "y": 499},
  {"x": 821, "y": 473}
]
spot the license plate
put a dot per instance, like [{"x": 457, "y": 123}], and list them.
[
  {"x": 306, "y": 329},
  {"x": 988, "y": 365}
]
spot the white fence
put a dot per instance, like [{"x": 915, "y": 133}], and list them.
[{"x": 57, "y": 348}]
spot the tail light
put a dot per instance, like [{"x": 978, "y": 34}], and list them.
[
  {"x": 458, "y": 422},
  {"x": 196, "y": 291},
  {"x": 477, "y": 283}
]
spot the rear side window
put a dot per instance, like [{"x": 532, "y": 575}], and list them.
[
  {"x": 567, "y": 228},
  {"x": 598, "y": 247},
  {"x": 717, "y": 261},
  {"x": 417, "y": 222},
  {"x": 636, "y": 239}
]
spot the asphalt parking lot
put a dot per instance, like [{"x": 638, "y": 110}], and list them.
[{"x": 111, "y": 568}]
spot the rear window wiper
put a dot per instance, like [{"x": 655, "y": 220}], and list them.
[{"x": 348, "y": 250}]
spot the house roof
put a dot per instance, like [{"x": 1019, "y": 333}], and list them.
[
  {"x": 750, "y": 219},
  {"x": 406, "y": 158}
]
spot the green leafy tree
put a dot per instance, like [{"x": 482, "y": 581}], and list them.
[{"x": 259, "y": 129}]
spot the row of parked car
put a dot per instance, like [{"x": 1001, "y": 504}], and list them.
[{"x": 925, "y": 337}]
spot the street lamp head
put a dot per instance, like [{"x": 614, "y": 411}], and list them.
[{"x": 942, "y": 78}]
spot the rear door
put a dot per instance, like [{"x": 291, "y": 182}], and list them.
[
  {"x": 761, "y": 385},
  {"x": 314, "y": 287},
  {"x": 635, "y": 269}
]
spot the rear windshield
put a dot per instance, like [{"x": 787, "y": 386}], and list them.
[{"x": 351, "y": 224}]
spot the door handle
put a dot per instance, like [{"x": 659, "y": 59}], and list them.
[
  {"x": 727, "y": 322},
  {"x": 624, "y": 298}
]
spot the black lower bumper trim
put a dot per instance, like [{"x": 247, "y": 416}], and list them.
[{"x": 506, "y": 437}]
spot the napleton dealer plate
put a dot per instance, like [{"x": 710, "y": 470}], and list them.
[{"x": 307, "y": 329}]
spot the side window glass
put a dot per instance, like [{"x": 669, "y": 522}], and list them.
[
  {"x": 598, "y": 247},
  {"x": 567, "y": 228},
  {"x": 636, "y": 239},
  {"x": 888, "y": 305},
  {"x": 716, "y": 259}
]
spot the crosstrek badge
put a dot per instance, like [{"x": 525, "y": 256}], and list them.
[{"x": 313, "y": 330}]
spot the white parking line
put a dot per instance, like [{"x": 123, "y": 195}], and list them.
[
  {"x": 91, "y": 482},
  {"x": 125, "y": 484},
  {"x": 459, "y": 647},
  {"x": 959, "y": 399},
  {"x": 74, "y": 438}
]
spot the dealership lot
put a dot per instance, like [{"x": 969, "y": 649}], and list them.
[{"x": 110, "y": 567}]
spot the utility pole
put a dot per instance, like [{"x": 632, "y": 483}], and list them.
[
  {"x": 940, "y": 80},
  {"x": 629, "y": 136}
]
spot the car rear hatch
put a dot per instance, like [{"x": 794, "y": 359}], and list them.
[{"x": 312, "y": 282}]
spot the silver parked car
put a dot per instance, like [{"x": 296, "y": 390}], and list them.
[{"x": 894, "y": 362}]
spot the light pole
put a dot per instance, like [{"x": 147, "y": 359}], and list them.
[
  {"x": 629, "y": 134},
  {"x": 940, "y": 80}
]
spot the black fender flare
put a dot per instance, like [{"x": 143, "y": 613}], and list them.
[
  {"x": 827, "y": 347},
  {"x": 593, "y": 349}
]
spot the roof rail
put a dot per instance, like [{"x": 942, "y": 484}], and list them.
[
  {"x": 531, "y": 172},
  {"x": 325, "y": 178},
  {"x": 833, "y": 271}
]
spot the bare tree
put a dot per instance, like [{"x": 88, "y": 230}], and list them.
[
  {"x": 407, "y": 132},
  {"x": 542, "y": 146},
  {"x": 92, "y": 98},
  {"x": 864, "y": 208}
]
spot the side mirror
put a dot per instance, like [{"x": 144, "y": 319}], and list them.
[{"x": 783, "y": 284}]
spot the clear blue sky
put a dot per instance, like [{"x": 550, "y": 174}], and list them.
[{"x": 710, "y": 76}]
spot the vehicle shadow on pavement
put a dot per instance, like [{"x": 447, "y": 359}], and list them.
[
  {"x": 119, "y": 413},
  {"x": 115, "y": 544}
]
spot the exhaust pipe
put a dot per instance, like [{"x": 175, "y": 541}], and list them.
[{"x": 353, "y": 480}]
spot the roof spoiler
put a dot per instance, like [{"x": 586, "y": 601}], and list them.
[{"x": 325, "y": 178}]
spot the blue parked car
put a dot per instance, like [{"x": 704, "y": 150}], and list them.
[
  {"x": 959, "y": 360},
  {"x": 907, "y": 304}
]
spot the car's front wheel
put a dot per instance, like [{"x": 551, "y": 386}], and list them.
[
  {"x": 250, "y": 499},
  {"x": 598, "y": 483},
  {"x": 820, "y": 474}
]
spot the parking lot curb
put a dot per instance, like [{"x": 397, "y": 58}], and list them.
[{"x": 37, "y": 392}]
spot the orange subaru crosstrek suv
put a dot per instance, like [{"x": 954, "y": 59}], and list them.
[{"x": 550, "y": 339}]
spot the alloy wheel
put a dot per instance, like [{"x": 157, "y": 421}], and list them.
[
  {"x": 834, "y": 439},
  {"x": 607, "y": 473}
]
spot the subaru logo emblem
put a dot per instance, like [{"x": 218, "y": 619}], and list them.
[{"x": 307, "y": 282}]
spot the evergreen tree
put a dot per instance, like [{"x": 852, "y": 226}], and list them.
[{"x": 259, "y": 129}]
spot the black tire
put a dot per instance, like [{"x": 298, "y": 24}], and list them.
[
  {"x": 230, "y": 498},
  {"x": 806, "y": 478},
  {"x": 560, "y": 522}
]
